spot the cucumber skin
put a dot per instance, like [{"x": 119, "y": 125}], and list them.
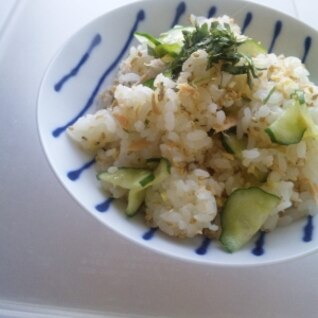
[
  {"x": 232, "y": 144},
  {"x": 233, "y": 242},
  {"x": 144, "y": 182},
  {"x": 135, "y": 200},
  {"x": 226, "y": 145},
  {"x": 271, "y": 135},
  {"x": 293, "y": 122}
]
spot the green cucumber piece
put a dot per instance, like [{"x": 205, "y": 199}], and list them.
[
  {"x": 251, "y": 48},
  {"x": 135, "y": 200},
  {"x": 137, "y": 180},
  {"x": 137, "y": 196},
  {"x": 175, "y": 35},
  {"x": 128, "y": 178},
  {"x": 290, "y": 127},
  {"x": 232, "y": 144},
  {"x": 172, "y": 49},
  {"x": 244, "y": 212},
  {"x": 162, "y": 171},
  {"x": 144, "y": 37},
  {"x": 168, "y": 43}
]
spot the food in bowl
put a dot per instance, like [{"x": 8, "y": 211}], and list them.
[{"x": 206, "y": 133}]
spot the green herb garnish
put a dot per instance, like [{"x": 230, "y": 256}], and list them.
[
  {"x": 149, "y": 83},
  {"x": 218, "y": 40},
  {"x": 266, "y": 99},
  {"x": 220, "y": 43},
  {"x": 146, "y": 122},
  {"x": 299, "y": 96}
]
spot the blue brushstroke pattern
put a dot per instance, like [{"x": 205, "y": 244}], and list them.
[
  {"x": 104, "y": 206},
  {"x": 203, "y": 248},
  {"x": 308, "y": 229},
  {"x": 149, "y": 234},
  {"x": 75, "y": 174},
  {"x": 95, "y": 42},
  {"x": 307, "y": 46},
  {"x": 212, "y": 12},
  {"x": 58, "y": 131},
  {"x": 259, "y": 250},
  {"x": 180, "y": 10},
  {"x": 247, "y": 21},
  {"x": 277, "y": 29}
]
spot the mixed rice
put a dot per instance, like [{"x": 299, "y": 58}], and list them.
[{"x": 150, "y": 113}]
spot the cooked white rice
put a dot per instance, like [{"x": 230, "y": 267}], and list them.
[{"x": 175, "y": 121}]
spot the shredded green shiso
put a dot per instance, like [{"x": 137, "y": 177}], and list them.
[{"x": 218, "y": 40}]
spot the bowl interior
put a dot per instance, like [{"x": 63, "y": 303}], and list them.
[{"x": 86, "y": 65}]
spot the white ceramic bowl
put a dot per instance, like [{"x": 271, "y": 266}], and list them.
[{"x": 86, "y": 65}]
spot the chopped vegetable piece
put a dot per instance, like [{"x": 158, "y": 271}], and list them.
[
  {"x": 162, "y": 171},
  {"x": 175, "y": 35},
  {"x": 128, "y": 178},
  {"x": 135, "y": 200},
  {"x": 290, "y": 127},
  {"x": 149, "y": 83},
  {"x": 220, "y": 43},
  {"x": 143, "y": 37},
  {"x": 251, "y": 48},
  {"x": 266, "y": 99},
  {"x": 299, "y": 96},
  {"x": 168, "y": 43},
  {"x": 232, "y": 144},
  {"x": 244, "y": 213},
  {"x": 137, "y": 180}
]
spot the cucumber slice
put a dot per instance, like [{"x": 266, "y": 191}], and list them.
[
  {"x": 137, "y": 181},
  {"x": 135, "y": 200},
  {"x": 162, "y": 171},
  {"x": 169, "y": 43},
  {"x": 150, "y": 40},
  {"x": 137, "y": 196},
  {"x": 128, "y": 178},
  {"x": 290, "y": 127},
  {"x": 244, "y": 213},
  {"x": 232, "y": 144},
  {"x": 175, "y": 35},
  {"x": 251, "y": 48}
]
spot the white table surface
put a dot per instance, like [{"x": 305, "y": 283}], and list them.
[{"x": 55, "y": 259}]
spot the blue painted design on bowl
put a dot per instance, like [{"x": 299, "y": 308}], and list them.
[
  {"x": 74, "y": 71},
  {"x": 212, "y": 12},
  {"x": 150, "y": 233},
  {"x": 75, "y": 174},
  {"x": 247, "y": 21},
  {"x": 104, "y": 206},
  {"x": 203, "y": 248},
  {"x": 259, "y": 250},
  {"x": 307, "y": 46},
  {"x": 277, "y": 30},
  {"x": 308, "y": 230},
  {"x": 58, "y": 131},
  {"x": 180, "y": 11}
]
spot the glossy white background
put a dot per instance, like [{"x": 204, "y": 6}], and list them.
[{"x": 55, "y": 259}]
